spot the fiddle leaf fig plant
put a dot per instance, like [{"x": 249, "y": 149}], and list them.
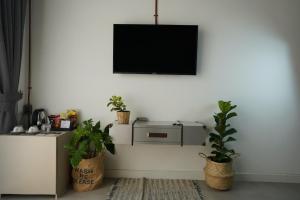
[
  {"x": 224, "y": 134},
  {"x": 117, "y": 104},
  {"x": 88, "y": 140}
]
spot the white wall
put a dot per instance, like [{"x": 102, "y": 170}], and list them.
[{"x": 248, "y": 53}]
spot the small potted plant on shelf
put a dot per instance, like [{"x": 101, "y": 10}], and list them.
[
  {"x": 218, "y": 170},
  {"x": 117, "y": 104},
  {"x": 86, "y": 152}
]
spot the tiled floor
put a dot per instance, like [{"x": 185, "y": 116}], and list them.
[{"x": 241, "y": 191}]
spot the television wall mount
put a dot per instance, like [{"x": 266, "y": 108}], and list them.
[{"x": 156, "y": 12}]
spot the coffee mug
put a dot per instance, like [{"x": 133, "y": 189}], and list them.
[
  {"x": 33, "y": 129},
  {"x": 18, "y": 129},
  {"x": 46, "y": 127}
]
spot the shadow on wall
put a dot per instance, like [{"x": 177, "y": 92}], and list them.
[
  {"x": 200, "y": 51},
  {"x": 38, "y": 33},
  {"x": 294, "y": 48}
]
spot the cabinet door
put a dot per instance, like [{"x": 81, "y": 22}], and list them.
[{"x": 28, "y": 165}]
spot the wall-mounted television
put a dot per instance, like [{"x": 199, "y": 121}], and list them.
[{"x": 155, "y": 49}]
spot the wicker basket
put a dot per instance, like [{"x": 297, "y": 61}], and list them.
[
  {"x": 218, "y": 175},
  {"x": 123, "y": 117}
]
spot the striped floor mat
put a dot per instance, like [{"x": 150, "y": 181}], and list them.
[{"x": 155, "y": 189}]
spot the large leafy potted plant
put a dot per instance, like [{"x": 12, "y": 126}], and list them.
[
  {"x": 218, "y": 170},
  {"x": 117, "y": 104},
  {"x": 86, "y": 151}
]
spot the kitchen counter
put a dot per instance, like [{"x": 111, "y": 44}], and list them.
[{"x": 41, "y": 133}]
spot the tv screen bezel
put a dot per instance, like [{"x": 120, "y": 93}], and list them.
[{"x": 193, "y": 71}]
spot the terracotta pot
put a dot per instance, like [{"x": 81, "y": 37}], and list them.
[
  {"x": 123, "y": 117},
  {"x": 88, "y": 175},
  {"x": 218, "y": 175}
]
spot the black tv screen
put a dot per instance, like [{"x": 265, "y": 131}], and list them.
[{"x": 155, "y": 49}]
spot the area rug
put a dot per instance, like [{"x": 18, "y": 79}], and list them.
[{"x": 155, "y": 189}]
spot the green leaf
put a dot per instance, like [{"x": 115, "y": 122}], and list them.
[
  {"x": 230, "y": 115},
  {"x": 214, "y": 137},
  {"x": 230, "y": 139},
  {"x": 214, "y": 152},
  {"x": 221, "y": 116},
  {"x": 220, "y": 129},
  {"x": 211, "y": 139},
  {"x": 78, "y": 154},
  {"x": 96, "y": 127},
  {"x": 229, "y": 132},
  {"x": 233, "y": 107},
  {"x": 95, "y": 140},
  {"x": 216, "y": 119},
  {"x": 216, "y": 147},
  {"x": 106, "y": 129},
  {"x": 231, "y": 151},
  {"x": 224, "y": 106},
  {"x": 110, "y": 147}
]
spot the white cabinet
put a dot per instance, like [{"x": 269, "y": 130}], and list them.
[{"x": 36, "y": 164}]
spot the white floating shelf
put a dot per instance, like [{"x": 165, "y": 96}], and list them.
[
  {"x": 121, "y": 133},
  {"x": 193, "y": 133}
]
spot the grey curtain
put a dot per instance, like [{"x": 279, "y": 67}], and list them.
[{"x": 12, "y": 20}]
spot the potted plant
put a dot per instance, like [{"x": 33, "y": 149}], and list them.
[
  {"x": 218, "y": 170},
  {"x": 117, "y": 104},
  {"x": 86, "y": 152}
]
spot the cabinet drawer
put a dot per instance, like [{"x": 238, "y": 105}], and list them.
[{"x": 157, "y": 135}]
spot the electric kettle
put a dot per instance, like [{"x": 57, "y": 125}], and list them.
[{"x": 39, "y": 117}]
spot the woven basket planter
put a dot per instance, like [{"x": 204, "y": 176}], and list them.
[
  {"x": 88, "y": 175},
  {"x": 123, "y": 117},
  {"x": 218, "y": 175}
]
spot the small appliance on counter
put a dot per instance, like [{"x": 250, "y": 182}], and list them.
[{"x": 39, "y": 117}]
